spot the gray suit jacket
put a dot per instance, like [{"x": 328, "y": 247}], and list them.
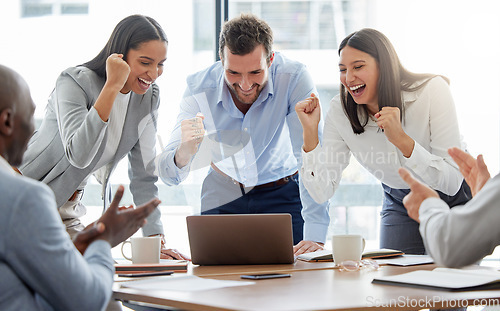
[
  {"x": 40, "y": 267},
  {"x": 64, "y": 151}
]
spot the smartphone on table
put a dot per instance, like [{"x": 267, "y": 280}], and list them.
[{"x": 265, "y": 276}]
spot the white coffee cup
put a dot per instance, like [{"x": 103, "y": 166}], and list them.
[
  {"x": 144, "y": 249},
  {"x": 347, "y": 247}
]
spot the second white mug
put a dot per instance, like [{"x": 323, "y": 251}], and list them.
[
  {"x": 347, "y": 247},
  {"x": 144, "y": 250}
]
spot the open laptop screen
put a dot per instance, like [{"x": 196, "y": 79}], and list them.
[{"x": 240, "y": 239}]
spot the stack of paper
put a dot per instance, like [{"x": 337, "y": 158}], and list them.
[
  {"x": 326, "y": 254},
  {"x": 164, "y": 265}
]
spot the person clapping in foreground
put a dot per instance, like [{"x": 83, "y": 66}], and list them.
[
  {"x": 465, "y": 234},
  {"x": 40, "y": 267}
]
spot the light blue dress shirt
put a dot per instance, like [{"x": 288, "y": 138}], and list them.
[{"x": 258, "y": 147}]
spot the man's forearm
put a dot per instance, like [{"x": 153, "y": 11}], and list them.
[{"x": 181, "y": 159}]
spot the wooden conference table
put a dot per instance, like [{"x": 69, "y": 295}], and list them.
[{"x": 312, "y": 286}]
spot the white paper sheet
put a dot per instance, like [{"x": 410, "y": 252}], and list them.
[
  {"x": 406, "y": 260},
  {"x": 452, "y": 279},
  {"x": 189, "y": 283}
]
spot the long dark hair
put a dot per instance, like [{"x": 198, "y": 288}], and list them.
[
  {"x": 393, "y": 77},
  {"x": 128, "y": 34}
]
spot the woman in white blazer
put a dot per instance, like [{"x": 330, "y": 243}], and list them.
[
  {"x": 387, "y": 118},
  {"x": 99, "y": 112}
]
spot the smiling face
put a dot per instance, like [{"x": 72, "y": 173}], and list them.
[
  {"x": 359, "y": 74},
  {"x": 146, "y": 65},
  {"x": 246, "y": 75}
]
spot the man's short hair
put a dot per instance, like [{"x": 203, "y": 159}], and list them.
[{"x": 243, "y": 34}]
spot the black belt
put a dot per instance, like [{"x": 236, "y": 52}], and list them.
[{"x": 279, "y": 182}]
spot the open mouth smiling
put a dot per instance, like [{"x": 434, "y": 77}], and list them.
[
  {"x": 144, "y": 84},
  {"x": 145, "y": 81},
  {"x": 357, "y": 88},
  {"x": 249, "y": 91}
]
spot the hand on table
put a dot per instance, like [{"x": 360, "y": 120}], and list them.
[
  {"x": 170, "y": 253},
  {"x": 418, "y": 193},
  {"x": 475, "y": 172},
  {"x": 306, "y": 247}
]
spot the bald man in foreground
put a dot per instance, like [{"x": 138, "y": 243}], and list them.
[
  {"x": 464, "y": 234},
  {"x": 40, "y": 267}
]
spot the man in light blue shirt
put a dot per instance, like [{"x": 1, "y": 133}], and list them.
[{"x": 245, "y": 104}]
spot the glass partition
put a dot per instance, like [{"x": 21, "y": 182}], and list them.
[{"x": 458, "y": 39}]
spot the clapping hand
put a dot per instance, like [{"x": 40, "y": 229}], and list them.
[
  {"x": 418, "y": 193},
  {"x": 88, "y": 235},
  {"x": 475, "y": 171},
  {"x": 120, "y": 224}
]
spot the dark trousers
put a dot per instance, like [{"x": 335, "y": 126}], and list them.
[
  {"x": 220, "y": 195},
  {"x": 398, "y": 230}
]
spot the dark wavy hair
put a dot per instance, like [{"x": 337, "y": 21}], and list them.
[
  {"x": 393, "y": 77},
  {"x": 243, "y": 34},
  {"x": 128, "y": 34}
]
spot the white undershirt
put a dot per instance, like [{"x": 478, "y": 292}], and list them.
[{"x": 115, "y": 128}]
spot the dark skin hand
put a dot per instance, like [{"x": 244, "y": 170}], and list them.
[
  {"x": 92, "y": 232},
  {"x": 88, "y": 235},
  {"x": 117, "y": 224},
  {"x": 120, "y": 225}
]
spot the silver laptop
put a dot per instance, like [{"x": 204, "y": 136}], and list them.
[{"x": 241, "y": 239}]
